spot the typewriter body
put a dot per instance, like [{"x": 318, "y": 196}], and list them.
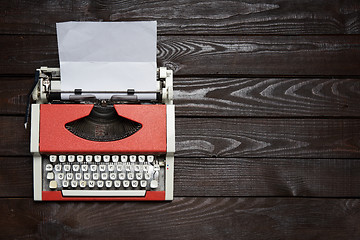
[{"x": 84, "y": 148}]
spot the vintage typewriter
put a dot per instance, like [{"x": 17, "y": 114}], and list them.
[
  {"x": 89, "y": 149},
  {"x": 107, "y": 144}
]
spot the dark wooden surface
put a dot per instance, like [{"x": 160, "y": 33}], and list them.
[{"x": 267, "y": 97}]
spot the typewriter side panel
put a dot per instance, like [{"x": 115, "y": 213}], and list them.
[
  {"x": 34, "y": 149},
  {"x": 170, "y": 148}
]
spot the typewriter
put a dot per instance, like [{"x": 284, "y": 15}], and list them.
[
  {"x": 113, "y": 148},
  {"x": 89, "y": 149}
]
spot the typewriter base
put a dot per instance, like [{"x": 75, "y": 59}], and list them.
[{"x": 57, "y": 196}]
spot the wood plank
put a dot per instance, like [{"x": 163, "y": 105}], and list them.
[
  {"x": 267, "y": 177},
  {"x": 263, "y": 97},
  {"x": 250, "y": 137},
  {"x": 232, "y": 137},
  {"x": 16, "y": 177},
  {"x": 246, "y": 177},
  {"x": 13, "y": 94},
  {"x": 235, "y": 97},
  {"x": 189, "y": 16},
  {"x": 184, "y": 218},
  {"x": 213, "y": 55}
]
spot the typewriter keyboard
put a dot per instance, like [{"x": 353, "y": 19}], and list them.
[{"x": 103, "y": 172}]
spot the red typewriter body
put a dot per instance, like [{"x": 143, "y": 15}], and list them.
[{"x": 55, "y": 138}]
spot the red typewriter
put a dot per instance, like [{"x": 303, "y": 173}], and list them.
[
  {"x": 102, "y": 145},
  {"x": 89, "y": 149}
]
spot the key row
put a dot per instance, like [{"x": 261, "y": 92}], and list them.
[
  {"x": 98, "y": 176},
  {"x": 101, "y": 168},
  {"x": 101, "y": 158},
  {"x": 100, "y": 184}
]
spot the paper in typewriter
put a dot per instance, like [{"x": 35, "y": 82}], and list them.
[{"x": 107, "y": 56}]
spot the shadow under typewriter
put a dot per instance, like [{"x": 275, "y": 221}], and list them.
[{"x": 103, "y": 124}]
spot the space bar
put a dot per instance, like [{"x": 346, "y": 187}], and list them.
[{"x": 103, "y": 193}]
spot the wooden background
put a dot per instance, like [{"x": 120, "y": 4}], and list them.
[{"x": 267, "y": 120}]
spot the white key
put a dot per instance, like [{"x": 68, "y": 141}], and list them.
[
  {"x": 119, "y": 167},
  {"x": 48, "y": 167},
  {"x": 69, "y": 176},
  {"x": 74, "y": 183},
  {"x": 95, "y": 176},
  {"x": 80, "y": 158},
  {"x": 112, "y": 176},
  {"x": 88, "y": 158},
  {"x": 53, "y": 184},
  {"x": 108, "y": 184},
  {"x": 62, "y": 158},
  {"x": 143, "y": 183},
  {"x": 91, "y": 184},
  {"x": 71, "y": 158},
  {"x": 111, "y": 168},
  {"x": 82, "y": 184},
  {"x": 93, "y": 168},
  {"x": 117, "y": 183},
  {"x": 138, "y": 176},
  {"x": 87, "y": 176},
  {"x": 52, "y": 158},
  {"x": 147, "y": 176},
  {"x": 57, "y": 167},
  {"x": 154, "y": 184},
  {"x": 61, "y": 176},
  {"x": 104, "y": 176},
  {"x": 115, "y": 158},
  {"x": 76, "y": 167},
  {"x": 141, "y": 158},
  {"x": 65, "y": 184},
  {"x": 67, "y": 168},
  {"x": 146, "y": 168},
  {"x": 134, "y": 183},
  {"x": 121, "y": 176},
  {"x": 100, "y": 184},
  {"x": 137, "y": 168},
  {"x": 124, "y": 158},
  {"x": 130, "y": 176},
  {"x": 133, "y": 158},
  {"x": 84, "y": 167},
  {"x": 50, "y": 176},
  {"x": 102, "y": 168},
  {"x": 150, "y": 158},
  {"x": 128, "y": 168},
  {"x": 97, "y": 158},
  {"x": 126, "y": 183},
  {"x": 106, "y": 158},
  {"x": 78, "y": 176}
]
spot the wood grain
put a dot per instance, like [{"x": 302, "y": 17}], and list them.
[
  {"x": 232, "y": 137},
  {"x": 189, "y": 16},
  {"x": 235, "y": 97},
  {"x": 264, "y": 97},
  {"x": 213, "y": 55},
  {"x": 221, "y": 177},
  {"x": 312, "y": 138},
  {"x": 267, "y": 177},
  {"x": 184, "y": 218}
]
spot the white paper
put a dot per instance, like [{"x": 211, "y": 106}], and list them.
[{"x": 107, "y": 56}]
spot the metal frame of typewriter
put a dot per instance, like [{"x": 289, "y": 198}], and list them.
[{"x": 47, "y": 89}]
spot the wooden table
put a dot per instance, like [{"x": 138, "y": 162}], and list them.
[{"x": 267, "y": 121}]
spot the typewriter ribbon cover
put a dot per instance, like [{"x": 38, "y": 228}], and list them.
[{"x": 103, "y": 125}]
